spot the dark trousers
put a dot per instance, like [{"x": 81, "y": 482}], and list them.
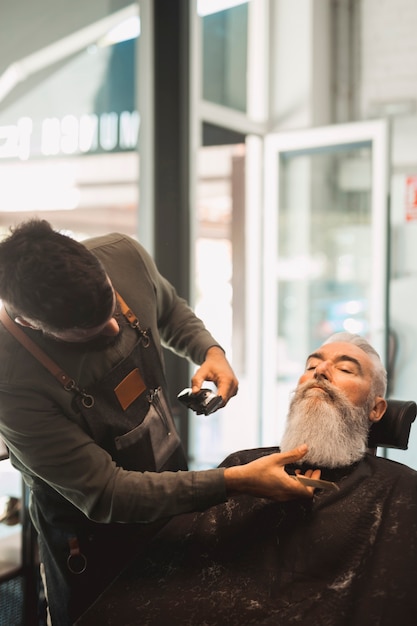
[{"x": 78, "y": 566}]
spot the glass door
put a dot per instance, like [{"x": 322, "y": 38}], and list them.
[{"x": 325, "y": 251}]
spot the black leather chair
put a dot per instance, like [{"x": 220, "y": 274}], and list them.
[{"x": 393, "y": 430}]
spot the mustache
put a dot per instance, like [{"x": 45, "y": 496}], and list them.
[{"x": 318, "y": 383}]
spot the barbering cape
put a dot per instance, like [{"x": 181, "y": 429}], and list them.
[{"x": 345, "y": 558}]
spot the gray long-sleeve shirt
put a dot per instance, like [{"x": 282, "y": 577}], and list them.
[{"x": 45, "y": 434}]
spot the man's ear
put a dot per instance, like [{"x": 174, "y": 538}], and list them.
[
  {"x": 22, "y": 322},
  {"x": 378, "y": 410}
]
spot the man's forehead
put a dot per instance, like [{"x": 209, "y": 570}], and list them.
[{"x": 339, "y": 349}]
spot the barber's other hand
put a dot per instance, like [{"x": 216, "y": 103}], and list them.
[
  {"x": 217, "y": 369},
  {"x": 266, "y": 477}
]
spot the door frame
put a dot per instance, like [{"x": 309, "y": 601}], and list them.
[{"x": 375, "y": 132}]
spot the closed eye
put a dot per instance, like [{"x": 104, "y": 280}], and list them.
[
  {"x": 311, "y": 365},
  {"x": 346, "y": 370}
]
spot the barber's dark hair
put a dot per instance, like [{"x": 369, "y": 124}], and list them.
[{"x": 51, "y": 278}]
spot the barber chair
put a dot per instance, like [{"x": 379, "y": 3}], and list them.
[{"x": 393, "y": 430}]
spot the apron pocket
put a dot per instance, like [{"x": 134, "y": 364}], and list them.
[{"x": 149, "y": 446}]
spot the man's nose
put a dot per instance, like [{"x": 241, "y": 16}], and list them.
[
  {"x": 111, "y": 329},
  {"x": 323, "y": 370}
]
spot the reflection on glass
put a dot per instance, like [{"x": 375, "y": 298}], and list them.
[
  {"x": 225, "y": 56},
  {"x": 69, "y": 143},
  {"x": 323, "y": 268}
]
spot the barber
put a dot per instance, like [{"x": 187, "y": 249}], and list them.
[{"x": 84, "y": 408}]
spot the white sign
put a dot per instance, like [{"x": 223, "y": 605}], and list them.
[{"x": 69, "y": 135}]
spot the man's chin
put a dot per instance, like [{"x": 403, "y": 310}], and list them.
[{"x": 95, "y": 345}]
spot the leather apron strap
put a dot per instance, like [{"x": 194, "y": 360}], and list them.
[
  {"x": 133, "y": 320},
  {"x": 66, "y": 381}
]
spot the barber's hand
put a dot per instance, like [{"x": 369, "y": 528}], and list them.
[
  {"x": 217, "y": 369},
  {"x": 266, "y": 477}
]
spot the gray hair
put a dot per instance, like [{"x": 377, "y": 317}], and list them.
[{"x": 379, "y": 383}]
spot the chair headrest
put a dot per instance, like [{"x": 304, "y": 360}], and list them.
[{"x": 393, "y": 430}]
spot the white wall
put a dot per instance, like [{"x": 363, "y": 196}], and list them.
[{"x": 388, "y": 56}]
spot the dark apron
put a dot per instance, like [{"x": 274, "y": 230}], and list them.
[{"x": 127, "y": 414}]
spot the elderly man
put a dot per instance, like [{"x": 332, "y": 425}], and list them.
[{"x": 346, "y": 558}]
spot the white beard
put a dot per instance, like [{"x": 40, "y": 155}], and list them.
[{"x": 335, "y": 430}]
